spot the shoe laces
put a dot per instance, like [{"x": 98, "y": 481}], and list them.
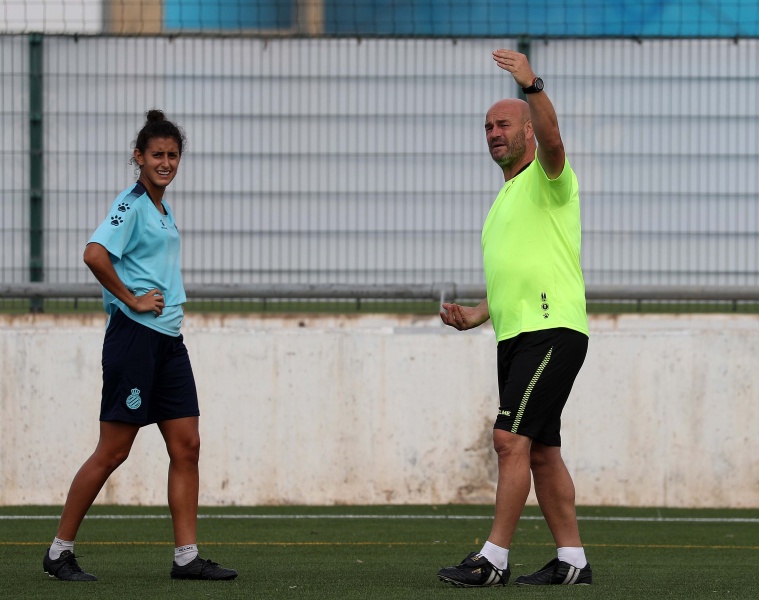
[
  {"x": 207, "y": 563},
  {"x": 70, "y": 560}
]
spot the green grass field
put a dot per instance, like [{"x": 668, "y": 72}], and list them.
[{"x": 381, "y": 552}]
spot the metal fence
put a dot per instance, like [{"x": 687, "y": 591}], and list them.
[{"x": 343, "y": 159}]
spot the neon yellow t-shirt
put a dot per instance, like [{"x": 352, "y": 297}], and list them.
[{"x": 531, "y": 254}]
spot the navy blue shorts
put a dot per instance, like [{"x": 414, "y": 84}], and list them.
[
  {"x": 147, "y": 376},
  {"x": 536, "y": 371}
]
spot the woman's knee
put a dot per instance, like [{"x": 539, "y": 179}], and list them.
[
  {"x": 182, "y": 437},
  {"x": 114, "y": 444},
  {"x": 112, "y": 458},
  {"x": 185, "y": 450}
]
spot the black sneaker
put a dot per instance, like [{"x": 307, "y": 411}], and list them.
[
  {"x": 65, "y": 567},
  {"x": 474, "y": 571},
  {"x": 198, "y": 568},
  {"x": 558, "y": 572}
]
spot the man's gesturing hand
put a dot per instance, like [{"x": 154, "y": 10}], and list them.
[{"x": 517, "y": 64}]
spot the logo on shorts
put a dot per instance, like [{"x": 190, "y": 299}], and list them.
[
  {"x": 505, "y": 413},
  {"x": 134, "y": 401}
]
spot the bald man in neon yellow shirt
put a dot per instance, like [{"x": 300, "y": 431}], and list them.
[{"x": 536, "y": 302}]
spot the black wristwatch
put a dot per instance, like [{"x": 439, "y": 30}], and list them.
[{"x": 537, "y": 86}]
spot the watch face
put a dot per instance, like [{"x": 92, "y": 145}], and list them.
[{"x": 538, "y": 85}]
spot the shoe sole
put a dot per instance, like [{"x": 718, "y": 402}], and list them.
[
  {"x": 59, "y": 579},
  {"x": 455, "y": 583},
  {"x": 540, "y": 584},
  {"x": 181, "y": 578}
]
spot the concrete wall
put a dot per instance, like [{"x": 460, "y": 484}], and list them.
[{"x": 386, "y": 409}]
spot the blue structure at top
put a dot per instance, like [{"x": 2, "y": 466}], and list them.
[
  {"x": 479, "y": 18},
  {"x": 227, "y": 15}
]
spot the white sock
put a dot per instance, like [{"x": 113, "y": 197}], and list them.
[
  {"x": 573, "y": 556},
  {"x": 185, "y": 554},
  {"x": 57, "y": 547},
  {"x": 497, "y": 556}
]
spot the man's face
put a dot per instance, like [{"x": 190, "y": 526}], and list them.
[{"x": 505, "y": 134}]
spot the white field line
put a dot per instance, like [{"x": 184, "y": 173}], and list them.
[{"x": 396, "y": 517}]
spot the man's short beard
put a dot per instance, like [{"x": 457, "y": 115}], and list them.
[
  {"x": 509, "y": 160},
  {"x": 518, "y": 149}
]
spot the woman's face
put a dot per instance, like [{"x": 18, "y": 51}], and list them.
[{"x": 160, "y": 161}]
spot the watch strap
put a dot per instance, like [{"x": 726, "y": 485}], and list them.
[{"x": 535, "y": 87}]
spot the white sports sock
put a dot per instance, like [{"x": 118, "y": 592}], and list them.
[
  {"x": 497, "y": 556},
  {"x": 185, "y": 554},
  {"x": 57, "y": 547},
  {"x": 573, "y": 556}
]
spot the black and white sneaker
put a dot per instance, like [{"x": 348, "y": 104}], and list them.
[
  {"x": 65, "y": 567},
  {"x": 474, "y": 571},
  {"x": 199, "y": 568},
  {"x": 558, "y": 572}
]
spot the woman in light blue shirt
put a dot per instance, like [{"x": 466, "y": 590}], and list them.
[{"x": 147, "y": 375}]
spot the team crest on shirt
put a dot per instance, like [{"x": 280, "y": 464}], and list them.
[{"x": 134, "y": 401}]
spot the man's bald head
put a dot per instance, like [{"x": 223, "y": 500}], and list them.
[{"x": 514, "y": 107}]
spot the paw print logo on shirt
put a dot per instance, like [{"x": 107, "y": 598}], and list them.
[
  {"x": 116, "y": 220},
  {"x": 123, "y": 207}
]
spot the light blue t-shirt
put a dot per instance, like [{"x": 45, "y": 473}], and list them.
[{"x": 144, "y": 248}]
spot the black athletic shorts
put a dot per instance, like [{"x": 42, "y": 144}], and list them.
[
  {"x": 147, "y": 376},
  {"x": 536, "y": 371}
]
